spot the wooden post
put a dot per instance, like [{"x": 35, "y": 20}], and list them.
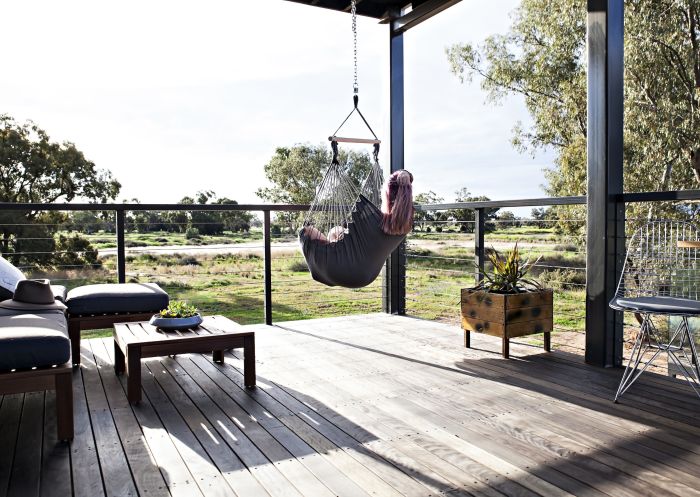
[{"x": 64, "y": 405}]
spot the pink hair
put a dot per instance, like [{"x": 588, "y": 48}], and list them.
[{"x": 397, "y": 203}]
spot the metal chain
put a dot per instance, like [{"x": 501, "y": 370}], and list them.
[{"x": 353, "y": 12}]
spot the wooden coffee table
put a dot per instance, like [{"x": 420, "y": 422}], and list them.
[{"x": 135, "y": 341}]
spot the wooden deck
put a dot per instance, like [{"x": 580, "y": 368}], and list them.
[{"x": 357, "y": 406}]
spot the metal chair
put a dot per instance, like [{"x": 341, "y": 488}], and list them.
[{"x": 661, "y": 277}]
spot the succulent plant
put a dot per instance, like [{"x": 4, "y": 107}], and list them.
[
  {"x": 179, "y": 309},
  {"x": 509, "y": 273}
]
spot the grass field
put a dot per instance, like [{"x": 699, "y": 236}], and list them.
[{"x": 438, "y": 266}]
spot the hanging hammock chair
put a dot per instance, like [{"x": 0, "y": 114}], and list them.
[
  {"x": 342, "y": 238},
  {"x": 357, "y": 257}
]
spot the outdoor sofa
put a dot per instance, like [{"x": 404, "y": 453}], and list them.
[
  {"x": 35, "y": 352},
  {"x": 40, "y": 327}
]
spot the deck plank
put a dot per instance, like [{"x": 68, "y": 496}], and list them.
[
  {"x": 116, "y": 475},
  {"x": 25, "y": 480},
  {"x": 10, "y": 413},
  {"x": 357, "y": 406},
  {"x": 154, "y": 459},
  {"x": 55, "y": 455}
]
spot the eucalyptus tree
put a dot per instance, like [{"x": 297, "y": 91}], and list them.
[
  {"x": 542, "y": 58},
  {"x": 35, "y": 169}
]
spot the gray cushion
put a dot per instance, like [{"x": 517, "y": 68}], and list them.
[
  {"x": 5, "y": 294},
  {"x": 33, "y": 340},
  {"x": 115, "y": 298},
  {"x": 660, "y": 305},
  {"x": 59, "y": 292}
]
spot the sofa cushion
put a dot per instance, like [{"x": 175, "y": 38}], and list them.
[
  {"x": 116, "y": 298},
  {"x": 9, "y": 276},
  {"x": 33, "y": 340},
  {"x": 60, "y": 292}
]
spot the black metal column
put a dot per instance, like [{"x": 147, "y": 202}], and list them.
[
  {"x": 121, "y": 251},
  {"x": 606, "y": 216},
  {"x": 479, "y": 251},
  {"x": 267, "y": 263},
  {"x": 394, "y": 289}
]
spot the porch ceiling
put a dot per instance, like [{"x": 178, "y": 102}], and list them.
[{"x": 379, "y": 9}]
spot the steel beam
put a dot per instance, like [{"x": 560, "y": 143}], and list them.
[
  {"x": 421, "y": 13},
  {"x": 606, "y": 216},
  {"x": 394, "y": 288}
]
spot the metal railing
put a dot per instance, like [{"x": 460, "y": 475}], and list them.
[{"x": 119, "y": 212}]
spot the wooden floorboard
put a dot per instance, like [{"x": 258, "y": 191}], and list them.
[{"x": 357, "y": 406}]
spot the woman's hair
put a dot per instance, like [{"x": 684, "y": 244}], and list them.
[{"x": 397, "y": 203}]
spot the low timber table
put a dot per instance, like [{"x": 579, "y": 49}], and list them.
[{"x": 136, "y": 341}]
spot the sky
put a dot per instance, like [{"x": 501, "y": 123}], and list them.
[{"x": 175, "y": 97}]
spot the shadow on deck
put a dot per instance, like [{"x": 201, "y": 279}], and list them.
[{"x": 357, "y": 406}]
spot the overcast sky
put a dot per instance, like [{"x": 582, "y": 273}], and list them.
[{"x": 175, "y": 97}]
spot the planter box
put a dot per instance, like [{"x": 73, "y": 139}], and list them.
[{"x": 507, "y": 316}]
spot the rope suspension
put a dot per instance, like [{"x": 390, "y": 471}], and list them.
[{"x": 331, "y": 209}]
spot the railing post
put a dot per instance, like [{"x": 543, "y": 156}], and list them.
[
  {"x": 121, "y": 252},
  {"x": 479, "y": 252},
  {"x": 267, "y": 260}
]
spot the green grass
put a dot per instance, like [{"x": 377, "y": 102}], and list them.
[
  {"x": 438, "y": 266},
  {"x": 102, "y": 240}
]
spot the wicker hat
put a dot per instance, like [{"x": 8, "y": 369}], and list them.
[{"x": 33, "y": 295}]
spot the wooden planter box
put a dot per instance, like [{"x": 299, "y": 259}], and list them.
[{"x": 507, "y": 316}]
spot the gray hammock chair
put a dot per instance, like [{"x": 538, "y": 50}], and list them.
[{"x": 356, "y": 259}]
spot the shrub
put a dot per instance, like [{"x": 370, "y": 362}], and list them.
[
  {"x": 192, "y": 233},
  {"x": 189, "y": 260},
  {"x": 298, "y": 266},
  {"x": 562, "y": 279},
  {"x": 567, "y": 247}
]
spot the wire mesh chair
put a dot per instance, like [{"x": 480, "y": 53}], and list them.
[{"x": 661, "y": 277}]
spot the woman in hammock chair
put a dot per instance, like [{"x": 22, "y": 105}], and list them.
[{"x": 397, "y": 210}]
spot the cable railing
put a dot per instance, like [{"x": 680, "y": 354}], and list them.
[{"x": 258, "y": 274}]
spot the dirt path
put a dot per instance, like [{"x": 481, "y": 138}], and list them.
[{"x": 256, "y": 247}]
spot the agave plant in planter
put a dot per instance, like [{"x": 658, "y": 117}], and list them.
[
  {"x": 507, "y": 303},
  {"x": 177, "y": 316}
]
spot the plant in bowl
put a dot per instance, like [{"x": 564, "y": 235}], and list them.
[
  {"x": 507, "y": 302},
  {"x": 177, "y": 316}
]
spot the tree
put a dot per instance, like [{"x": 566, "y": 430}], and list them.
[
  {"x": 205, "y": 222},
  {"x": 466, "y": 217},
  {"x": 236, "y": 221},
  {"x": 424, "y": 217},
  {"x": 296, "y": 172},
  {"x": 35, "y": 169},
  {"x": 507, "y": 219},
  {"x": 542, "y": 58},
  {"x": 211, "y": 222},
  {"x": 540, "y": 216}
]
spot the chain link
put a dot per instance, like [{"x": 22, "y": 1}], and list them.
[{"x": 353, "y": 12}]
